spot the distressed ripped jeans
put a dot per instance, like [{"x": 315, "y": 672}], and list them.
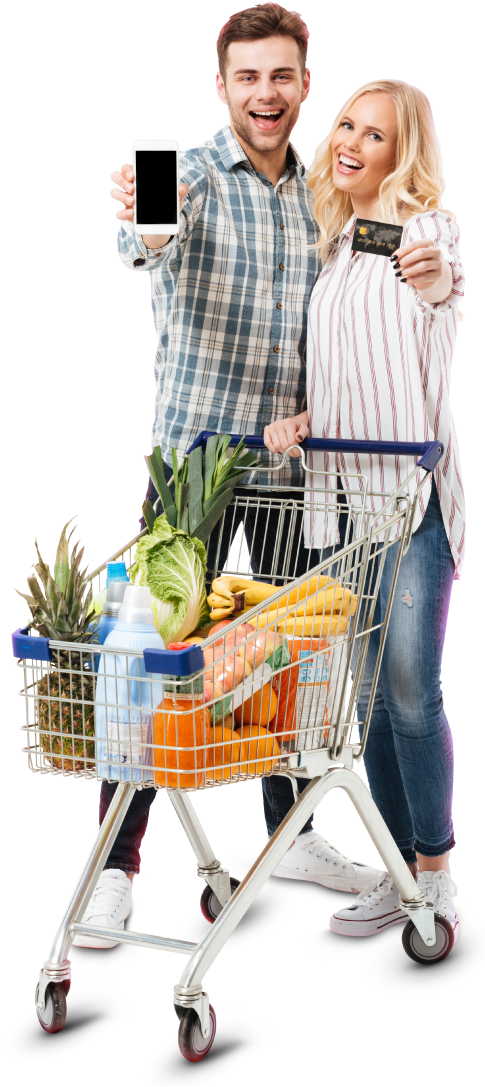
[{"x": 409, "y": 753}]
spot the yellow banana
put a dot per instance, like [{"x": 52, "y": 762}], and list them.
[
  {"x": 319, "y": 626},
  {"x": 255, "y": 591}
]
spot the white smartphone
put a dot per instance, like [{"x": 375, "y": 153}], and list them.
[{"x": 155, "y": 165}]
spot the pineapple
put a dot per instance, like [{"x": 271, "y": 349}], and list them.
[{"x": 63, "y": 611}]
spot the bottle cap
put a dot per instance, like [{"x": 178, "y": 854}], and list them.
[
  {"x": 137, "y": 605},
  {"x": 116, "y": 571},
  {"x": 114, "y": 598}
]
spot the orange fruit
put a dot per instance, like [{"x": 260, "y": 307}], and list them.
[
  {"x": 261, "y": 708},
  {"x": 193, "y": 640},
  {"x": 258, "y": 744},
  {"x": 223, "y": 754}
]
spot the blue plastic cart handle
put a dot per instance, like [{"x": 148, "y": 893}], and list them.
[
  {"x": 27, "y": 647},
  {"x": 429, "y": 452},
  {"x": 172, "y": 662}
]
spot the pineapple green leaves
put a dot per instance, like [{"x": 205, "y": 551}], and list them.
[
  {"x": 203, "y": 486},
  {"x": 61, "y": 606}
]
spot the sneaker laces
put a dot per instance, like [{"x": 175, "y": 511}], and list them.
[
  {"x": 106, "y": 898},
  {"x": 438, "y": 888},
  {"x": 314, "y": 843},
  {"x": 375, "y": 892}
]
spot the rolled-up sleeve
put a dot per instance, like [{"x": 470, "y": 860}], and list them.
[
  {"x": 131, "y": 247},
  {"x": 445, "y": 234}
]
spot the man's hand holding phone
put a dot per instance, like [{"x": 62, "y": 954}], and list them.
[{"x": 125, "y": 193}]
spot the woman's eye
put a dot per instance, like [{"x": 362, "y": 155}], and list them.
[
  {"x": 346, "y": 124},
  {"x": 375, "y": 136}
]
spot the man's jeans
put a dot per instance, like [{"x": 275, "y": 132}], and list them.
[
  {"x": 268, "y": 546},
  {"x": 409, "y": 754}
]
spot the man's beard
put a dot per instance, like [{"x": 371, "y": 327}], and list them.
[{"x": 241, "y": 126}]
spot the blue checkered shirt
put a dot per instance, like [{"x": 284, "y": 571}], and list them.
[{"x": 230, "y": 297}]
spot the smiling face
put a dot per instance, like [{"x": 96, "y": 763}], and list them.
[
  {"x": 364, "y": 149},
  {"x": 264, "y": 87}
]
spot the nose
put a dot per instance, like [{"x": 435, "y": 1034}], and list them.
[{"x": 266, "y": 91}]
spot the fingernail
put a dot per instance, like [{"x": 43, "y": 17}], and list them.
[
  {"x": 397, "y": 274},
  {"x": 397, "y": 265},
  {"x": 403, "y": 281},
  {"x": 393, "y": 256}
]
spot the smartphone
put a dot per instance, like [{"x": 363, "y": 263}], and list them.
[{"x": 155, "y": 165}]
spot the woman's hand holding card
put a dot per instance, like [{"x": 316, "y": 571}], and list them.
[{"x": 422, "y": 266}]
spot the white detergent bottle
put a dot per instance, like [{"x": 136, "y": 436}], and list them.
[{"x": 126, "y": 699}]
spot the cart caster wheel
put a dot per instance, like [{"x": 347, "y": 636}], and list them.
[
  {"x": 416, "y": 948},
  {"x": 209, "y": 903},
  {"x": 193, "y": 1046},
  {"x": 53, "y": 1018}
]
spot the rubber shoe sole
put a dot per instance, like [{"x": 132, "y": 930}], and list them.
[
  {"x": 337, "y": 883},
  {"x": 372, "y": 927},
  {"x": 95, "y": 941}
]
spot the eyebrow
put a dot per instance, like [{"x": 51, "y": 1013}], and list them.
[
  {"x": 255, "y": 71},
  {"x": 373, "y": 128}
]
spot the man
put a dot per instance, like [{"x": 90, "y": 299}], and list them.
[{"x": 230, "y": 295}]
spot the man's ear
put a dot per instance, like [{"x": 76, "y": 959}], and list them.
[
  {"x": 221, "y": 91},
  {"x": 306, "y": 85}
]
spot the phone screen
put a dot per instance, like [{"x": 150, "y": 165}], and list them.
[{"x": 156, "y": 187}]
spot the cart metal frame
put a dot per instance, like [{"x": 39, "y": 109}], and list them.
[{"x": 327, "y": 768}]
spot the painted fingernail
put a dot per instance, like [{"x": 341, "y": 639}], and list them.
[
  {"x": 397, "y": 265},
  {"x": 397, "y": 274},
  {"x": 403, "y": 281}
]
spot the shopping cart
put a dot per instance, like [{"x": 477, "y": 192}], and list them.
[{"x": 283, "y": 678}]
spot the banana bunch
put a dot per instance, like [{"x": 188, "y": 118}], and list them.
[
  {"x": 319, "y": 607},
  {"x": 317, "y": 614}
]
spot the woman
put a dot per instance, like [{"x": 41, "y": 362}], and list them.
[{"x": 380, "y": 343}]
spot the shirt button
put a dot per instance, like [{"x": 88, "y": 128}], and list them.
[
  {"x": 282, "y": 226},
  {"x": 271, "y": 392},
  {"x": 138, "y": 262},
  {"x": 282, "y": 267},
  {"x": 276, "y": 349},
  {"x": 279, "y": 305}
]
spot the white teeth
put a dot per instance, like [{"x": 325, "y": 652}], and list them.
[
  {"x": 269, "y": 113},
  {"x": 350, "y": 162}
]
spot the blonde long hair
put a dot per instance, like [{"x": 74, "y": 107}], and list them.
[{"x": 415, "y": 185}]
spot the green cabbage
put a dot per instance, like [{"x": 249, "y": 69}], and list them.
[{"x": 173, "y": 565}]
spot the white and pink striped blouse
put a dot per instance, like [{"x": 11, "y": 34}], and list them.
[{"x": 379, "y": 367}]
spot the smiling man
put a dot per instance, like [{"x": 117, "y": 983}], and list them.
[{"x": 230, "y": 295}]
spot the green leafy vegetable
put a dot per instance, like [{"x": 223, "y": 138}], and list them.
[{"x": 173, "y": 566}]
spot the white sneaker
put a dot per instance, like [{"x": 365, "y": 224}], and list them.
[
  {"x": 439, "y": 888},
  {"x": 315, "y": 860},
  {"x": 109, "y": 906},
  {"x": 376, "y": 909}
]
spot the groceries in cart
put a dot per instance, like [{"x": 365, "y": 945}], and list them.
[{"x": 270, "y": 674}]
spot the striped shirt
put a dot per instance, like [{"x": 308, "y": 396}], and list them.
[
  {"x": 379, "y": 367},
  {"x": 230, "y": 296}
]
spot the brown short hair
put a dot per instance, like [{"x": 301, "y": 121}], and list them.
[{"x": 262, "y": 21}]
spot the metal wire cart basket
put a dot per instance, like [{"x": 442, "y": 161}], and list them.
[{"x": 275, "y": 691}]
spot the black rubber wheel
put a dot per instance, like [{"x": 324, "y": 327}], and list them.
[
  {"x": 209, "y": 903},
  {"x": 416, "y": 948},
  {"x": 53, "y": 1018},
  {"x": 193, "y": 1046}
]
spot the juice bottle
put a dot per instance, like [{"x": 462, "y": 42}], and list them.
[
  {"x": 180, "y": 726},
  {"x": 299, "y": 702}
]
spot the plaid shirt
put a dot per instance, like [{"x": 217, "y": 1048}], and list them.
[{"x": 230, "y": 296}]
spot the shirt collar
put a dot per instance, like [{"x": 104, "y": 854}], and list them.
[
  {"x": 232, "y": 154},
  {"x": 349, "y": 227}
]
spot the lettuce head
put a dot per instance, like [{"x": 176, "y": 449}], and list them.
[{"x": 173, "y": 565}]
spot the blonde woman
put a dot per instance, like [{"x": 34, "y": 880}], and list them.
[{"x": 380, "y": 343}]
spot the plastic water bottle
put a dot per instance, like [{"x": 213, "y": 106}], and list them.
[
  {"x": 115, "y": 571},
  {"x": 113, "y": 603},
  {"x": 125, "y": 697}
]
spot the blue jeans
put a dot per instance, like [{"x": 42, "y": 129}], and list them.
[{"x": 409, "y": 753}]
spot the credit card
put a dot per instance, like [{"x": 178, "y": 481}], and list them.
[{"x": 381, "y": 239}]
